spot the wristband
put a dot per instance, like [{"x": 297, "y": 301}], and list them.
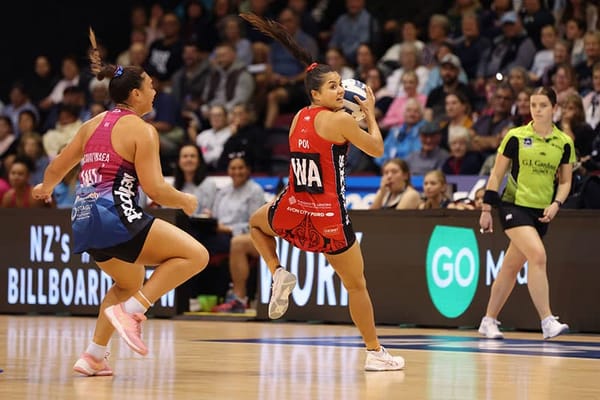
[
  {"x": 491, "y": 197},
  {"x": 560, "y": 203}
]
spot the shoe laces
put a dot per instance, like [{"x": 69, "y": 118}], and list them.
[{"x": 139, "y": 318}]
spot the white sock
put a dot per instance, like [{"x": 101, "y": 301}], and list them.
[
  {"x": 96, "y": 351},
  {"x": 547, "y": 319},
  {"x": 132, "y": 306}
]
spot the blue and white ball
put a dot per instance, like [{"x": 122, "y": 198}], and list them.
[{"x": 353, "y": 87}]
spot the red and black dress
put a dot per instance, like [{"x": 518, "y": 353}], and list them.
[{"x": 311, "y": 212}]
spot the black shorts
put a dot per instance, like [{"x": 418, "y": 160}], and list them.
[
  {"x": 512, "y": 216},
  {"x": 127, "y": 251}
]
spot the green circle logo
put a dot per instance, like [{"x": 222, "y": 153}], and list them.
[{"x": 452, "y": 269}]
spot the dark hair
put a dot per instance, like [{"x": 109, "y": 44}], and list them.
[
  {"x": 546, "y": 91},
  {"x": 273, "y": 29},
  {"x": 122, "y": 79},
  {"x": 199, "y": 174},
  {"x": 29, "y": 164}
]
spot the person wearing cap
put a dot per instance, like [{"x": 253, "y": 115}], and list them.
[
  {"x": 513, "y": 47},
  {"x": 431, "y": 156},
  {"x": 450, "y": 68}
]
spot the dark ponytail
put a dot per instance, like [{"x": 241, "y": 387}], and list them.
[
  {"x": 122, "y": 79},
  {"x": 273, "y": 29}
]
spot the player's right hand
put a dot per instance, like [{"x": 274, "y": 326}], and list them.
[
  {"x": 486, "y": 222},
  {"x": 190, "y": 204}
]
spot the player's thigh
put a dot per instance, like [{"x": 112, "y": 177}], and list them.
[
  {"x": 349, "y": 265},
  {"x": 126, "y": 275}
]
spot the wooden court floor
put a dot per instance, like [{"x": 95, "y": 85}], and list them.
[{"x": 281, "y": 360}]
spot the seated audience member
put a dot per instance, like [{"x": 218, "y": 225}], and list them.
[
  {"x": 410, "y": 33},
  {"x": 575, "y": 29},
  {"x": 376, "y": 80},
  {"x": 231, "y": 32},
  {"x": 573, "y": 124},
  {"x": 19, "y": 194},
  {"x": 462, "y": 160},
  {"x": 28, "y": 123},
  {"x": 591, "y": 101},
  {"x": 410, "y": 60},
  {"x": 19, "y": 102},
  {"x": 403, "y": 139},
  {"x": 212, "y": 140},
  {"x": 458, "y": 113},
  {"x": 190, "y": 177},
  {"x": 247, "y": 138},
  {"x": 365, "y": 61},
  {"x": 66, "y": 127},
  {"x": 431, "y": 156},
  {"x": 353, "y": 27},
  {"x": 522, "y": 113},
  {"x": 468, "y": 203},
  {"x": 434, "y": 190},
  {"x": 395, "y": 112},
  {"x": 544, "y": 58},
  {"x": 287, "y": 92},
  {"x": 564, "y": 85},
  {"x": 31, "y": 146},
  {"x": 395, "y": 190},
  {"x": 233, "y": 206},
  {"x": 65, "y": 192},
  {"x": 487, "y": 128},
  {"x": 434, "y": 79},
  {"x": 471, "y": 45},
  {"x": 438, "y": 31},
  {"x": 583, "y": 70},
  {"x": 336, "y": 60},
  {"x": 8, "y": 141}
]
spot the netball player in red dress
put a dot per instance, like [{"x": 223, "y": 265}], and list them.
[{"x": 310, "y": 213}]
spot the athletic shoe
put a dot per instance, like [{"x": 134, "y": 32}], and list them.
[
  {"x": 231, "y": 306},
  {"x": 129, "y": 326},
  {"x": 383, "y": 361},
  {"x": 89, "y": 366},
  {"x": 283, "y": 284},
  {"x": 552, "y": 328},
  {"x": 489, "y": 328}
]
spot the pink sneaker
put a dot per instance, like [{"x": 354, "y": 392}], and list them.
[
  {"x": 129, "y": 326},
  {"x": 89, "y": 366}
]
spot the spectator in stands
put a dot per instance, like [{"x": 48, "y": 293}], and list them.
[
  {"x": 583, "y": 70},
  {"x": 42, "y": 81},
  {"x": 19, "y": 194},
  {"x": 353, "y": 27},
  {"x": 19, "y": 101},
  {"x": 395, "y": 113},
  {"x": 404, "y": 139},
  {"x": 564, "y": 85},
  {"x": 212, "y": 140},
  {"x": 410, "y": 60},
  {"x": 575, "y": 29},
  {"x": 584, "y": 10},
  {"x": 65, "y": 192},
  {"x": 437, "y": 32},
  {"x": 434, "y": 79},
  {"x": 8, "y": 142},
  {"x": 287, "y": 88},
  {"x": 66, "y": 127},
  {"x": 229, "y": 83},
  {"x": 535, "y": 16},
  {"x": 231, "y": 32},
  {"x": 336, "y": 60},
  {"x": 150, "y": 25},
  {"x": 246, "y": 138},
  {"x": 233, "y": 206},
  {"x": 188, "y": 82},
  {"x": 513, "y": 47},
  {"x": 491, "y": 27},
  {"x": 522, "y": 115},
  {"x": 32, "y": 147},
  {"x": 395, "y": 191},
  {"x": 365, "y": 61},
  {"x": 470, "y": 46},
  {"x": 561, "y": 55},
  {"x": 457, "y": 13},
  {"x": 436, "y": 100},
  {"x": 164, "y": 54},
  {"x": 307, "y": 22},
  {"x": 71, "y": 76},
  {"x": 383, "y": 100},
  {"x": 458, "y": 113},
  {"x": 591, "y": 101},
  {"x": 488, "y": 128},
  {"x": 573, "y": 123},
  {"x": 74, "y": 97},
  {"x": 27, "y": 122},
  {"x": 190, "y": 177},
  {"x": 462, "y": 160},
  {"x": 431, "y": 155},
  {"x": 410, "y": 33},
  {"x": 435, "y": 189},
  {"x": 544, "y": 57},
  {"x": 196, "y": 26},
  {"x": 137, "y": 39}
]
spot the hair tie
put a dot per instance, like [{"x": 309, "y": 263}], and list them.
[
  {"x": 118, "y": 71},
  {"x": 311, "y": 67}
]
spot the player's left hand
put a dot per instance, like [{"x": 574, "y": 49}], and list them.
[{"x": 549, "y": 213}]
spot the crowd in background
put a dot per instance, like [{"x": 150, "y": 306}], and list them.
[{"x": 446, "y": 92}]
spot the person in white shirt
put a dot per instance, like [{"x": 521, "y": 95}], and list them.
[{"x": 211, "y": 140}]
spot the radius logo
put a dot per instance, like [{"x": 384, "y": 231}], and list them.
[{"x": 452, "y": 269}]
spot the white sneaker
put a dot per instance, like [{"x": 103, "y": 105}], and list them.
[
  {"x": 283, "y": 284},
  {"x": 489, "y": 328},
  {"x": 383, "y": 361},
  {"x": 552, "y": 328}
]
